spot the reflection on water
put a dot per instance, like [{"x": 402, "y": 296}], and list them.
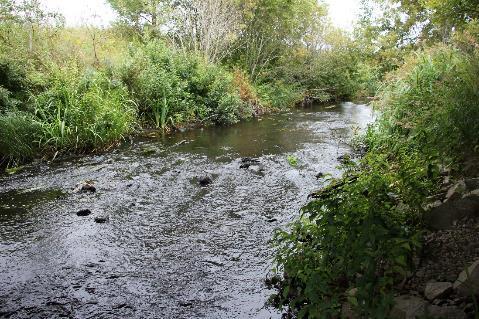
[{"x": 171, "y": 248}]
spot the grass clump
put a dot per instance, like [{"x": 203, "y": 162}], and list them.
[
  {"x": 19, "y": 132},
  {"x": 81, "y": 111}
]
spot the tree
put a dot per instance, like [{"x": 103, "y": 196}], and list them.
[
  {"x": 139, "y": 13},
  {"x": 209, "y": 27},
  {"x": 274, "y": 26},
  {"x": 28, "y": 13}
]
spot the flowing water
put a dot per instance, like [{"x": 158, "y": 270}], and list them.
[{"x": 171, "y": 248}]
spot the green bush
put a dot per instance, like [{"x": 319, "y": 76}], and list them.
[
  {"x": 430, "y": 104},
  {"x": 357, "y": 233},
  {"x": 82, "y": 110},
  {"x": 279, "y": 95},
  {"x": 14, "y": 85},
  {"x": 173, "y": 88}
]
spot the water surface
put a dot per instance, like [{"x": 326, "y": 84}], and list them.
[{"x": 171, "y": 248}]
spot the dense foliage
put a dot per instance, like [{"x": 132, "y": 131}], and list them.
[{"x": 355, "y": 242}]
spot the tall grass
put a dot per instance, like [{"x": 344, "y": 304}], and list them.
[
  {"x": 430, "y": 104},
  {"x": 19, "y": 132},
  {"x": 83, "y": 110}
]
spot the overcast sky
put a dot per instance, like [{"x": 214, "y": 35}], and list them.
[{"x": 76, "y": 12}]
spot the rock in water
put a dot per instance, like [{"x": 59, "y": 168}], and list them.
[
  {"x": 467, "y": 283},
  {"x": 101, "y": 219},
  {"x": 435, "y": 290},
  {"x": 205, "y": 181},
  {"x": 83, "y": 188},
  {"x": 247, "y": 162},
  {"x": 84, "y": 212}
]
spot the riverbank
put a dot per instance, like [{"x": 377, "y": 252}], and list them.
[{"x": 358, "y": 242}]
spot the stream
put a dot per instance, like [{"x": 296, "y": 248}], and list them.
[{"x": 170, "y": 248}]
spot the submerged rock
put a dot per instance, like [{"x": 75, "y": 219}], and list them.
[
  {"x": 246, "y": 162},
  {"x": 86, "y": 187},
  {"x": 84, "y": 213},
  {"x": 102, "y": 219},
  {"x": 205, "y": 181}
]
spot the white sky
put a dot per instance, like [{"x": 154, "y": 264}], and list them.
[{"x": 77, "y": 12}]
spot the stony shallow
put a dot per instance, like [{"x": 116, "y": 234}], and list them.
[{"x": 168, "y": 247}]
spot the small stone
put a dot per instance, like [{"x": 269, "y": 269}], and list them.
[
  {"x": 215, "y": 263},
  {"x": 467, "y": 283},
  {"x": 444, "y": 313},
  {"x": 101, "y": 219},
  {"x": 87, "y": 187},
  {"x": 456, "y": 191},
  {"x": 257, "y": 169},
  {"x": 246, "y": 162},
  {"x": 407, "y": 307},
  {"x": 84, "y": 213},
  {"x": 319, "y": 175},
  {"x": 435, "y": 290},
  {"x": 185, "y": 303}
]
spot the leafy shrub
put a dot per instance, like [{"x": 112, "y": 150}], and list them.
[
  {"x": 279, "y": 95},
  {"x": 82, "y": 111},
  {"x": 357, "y": 233},
  {"x": 430, "y": 104},
  {"x": 13, "y": 85},
  {"x": 173, "y": 88}
]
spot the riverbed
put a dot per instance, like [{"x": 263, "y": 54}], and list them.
[{"x": 170, "y": 248}]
